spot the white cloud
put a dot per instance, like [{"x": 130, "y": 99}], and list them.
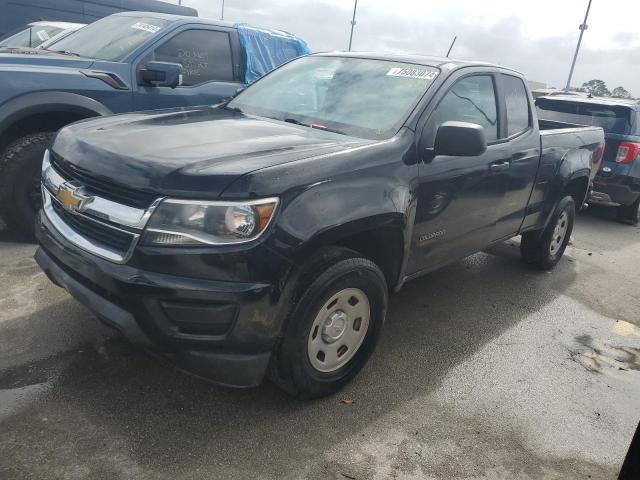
[{"x": 536, "y": 37}]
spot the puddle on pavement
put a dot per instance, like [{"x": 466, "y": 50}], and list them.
[
  {"x": 602, "y": 357},
  {"x": 24, "y": 384},
  {"x": 12, "y": 399},
  {"x": 626, "y": 329}
]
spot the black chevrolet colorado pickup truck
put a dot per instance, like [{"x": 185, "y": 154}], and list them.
[{"x": 262, "y": 236}]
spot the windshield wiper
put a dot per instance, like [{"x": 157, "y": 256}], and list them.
[
  {"x": 317, "y": 126},
  {"x": 65, "y": 52},
  {"x": 231, "y": 109},
  {"x": 296, "y": 122},
  {"x": 328, "y": 129}
]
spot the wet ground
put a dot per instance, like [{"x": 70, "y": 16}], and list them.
[{"x": 485, "y": 370}]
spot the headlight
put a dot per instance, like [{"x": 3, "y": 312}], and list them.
[{"x": 192, "y": 223}]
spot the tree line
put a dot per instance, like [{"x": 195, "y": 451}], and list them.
[{"x": 598, "y": 88}]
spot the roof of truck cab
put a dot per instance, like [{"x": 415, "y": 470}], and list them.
[
  {"x": 611, "y": 102},
  {"x": 434, "y": 61},
  {"x": 178, "y": 18}
]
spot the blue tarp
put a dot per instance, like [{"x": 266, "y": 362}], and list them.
[{"x": 267, "y": 49}]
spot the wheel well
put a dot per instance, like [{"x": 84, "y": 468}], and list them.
[
  {"x": 383, "y": 246},
  {"x": 577, "y": 188},
  {"x": 41, "y": 122}
]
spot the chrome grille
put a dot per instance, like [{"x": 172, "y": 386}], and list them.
[
  {"x": 117, "y": 239},
  {"x": 101, "y": 187},
  {"x": 101, "y": 226}
]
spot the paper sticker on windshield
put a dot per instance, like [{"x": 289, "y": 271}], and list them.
[
  {"x": 424, "y": 73},
  {"x": 42, "y": 35},
  {"x": 147, "y": 27}
]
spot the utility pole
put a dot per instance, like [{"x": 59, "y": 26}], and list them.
[
  {"x": 222, "y": 14},
  {"x": 583, "y": 26},
  {"x": 353, "y": 23}
]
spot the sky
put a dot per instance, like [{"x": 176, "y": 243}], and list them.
[{"x": 536, "y": 37}]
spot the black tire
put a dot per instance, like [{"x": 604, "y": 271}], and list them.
[
  {"x": 541, "y": 249},
  {"x": 20, "y": 166},
  {"x": 337, "y": 269},
  {"x": 629, "y": 214}
]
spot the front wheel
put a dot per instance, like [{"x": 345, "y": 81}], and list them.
[
  {"x": 333, "y": 327},
  {"x": 20, "y": 195},
  {"x": 629, "y": 214},
  {"x": 545, "y": 249}
]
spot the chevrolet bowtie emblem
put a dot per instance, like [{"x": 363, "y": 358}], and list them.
[{"x": 72, "y": 198}]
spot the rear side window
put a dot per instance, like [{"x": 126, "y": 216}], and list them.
[
  {"x": 471, "y": 99},
  {"x": 205, "y": 56},
  {"x": 517, "y": 102},
  {"x": 612, "y": 118}
]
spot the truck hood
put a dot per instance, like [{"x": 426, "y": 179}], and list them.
[
  {"x": 33, "y": 57},
  {"x": 190, "y": 152}
]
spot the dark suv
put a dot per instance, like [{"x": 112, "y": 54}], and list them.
[{"x": 617, "y": 184}]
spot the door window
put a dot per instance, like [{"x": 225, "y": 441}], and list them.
[
  {"x": 517, "y": 102},
  {"x": 205, "y": 55},
  {"x": 471, "y": 99}
]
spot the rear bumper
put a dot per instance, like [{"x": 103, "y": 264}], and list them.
[
  {"x": 614, "y": 191},
  {"x": 221, "y": 331}
]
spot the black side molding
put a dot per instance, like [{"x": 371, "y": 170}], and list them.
[{"x": 111, "y": 79}]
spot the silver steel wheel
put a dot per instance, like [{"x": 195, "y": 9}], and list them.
[
  {"x": 338, "y": 330},
  {"x": 559, "y": 233}
]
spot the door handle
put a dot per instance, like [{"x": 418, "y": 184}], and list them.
[{"x": 499, "y": 165}]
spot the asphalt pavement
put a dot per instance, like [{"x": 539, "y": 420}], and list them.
[{"x": 485, "y": 370}]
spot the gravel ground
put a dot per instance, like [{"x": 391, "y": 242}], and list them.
[{"x": 486, "y": 370}]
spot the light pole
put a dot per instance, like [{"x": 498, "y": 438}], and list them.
[
  {"x": 583, "y": 26},
  {"x": 353, "y": 23},
  {"x": 222, "y": 14}
]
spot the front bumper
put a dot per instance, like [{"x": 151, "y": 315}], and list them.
[{"x": 223, "y": 331}]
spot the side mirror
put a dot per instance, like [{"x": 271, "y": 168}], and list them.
[
  {"x": 460, "y": 139},
  {"x": 161, "y": 74}
]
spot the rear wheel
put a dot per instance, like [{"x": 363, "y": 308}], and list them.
[
  {"x": 333, "y": 327},
  {"x": 629, "y": 214},
  {"x": 545, "y": 249},
  {"x": 20, "y": 166}
]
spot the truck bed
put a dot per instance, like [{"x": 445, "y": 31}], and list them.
[
  {"x": 569, "y": 140},
  {"x": 556, "y": 125}
]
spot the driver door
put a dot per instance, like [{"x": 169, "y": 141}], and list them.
[
  {"x": 458, "y": 197},
  {"x": 208, "y": 75}
]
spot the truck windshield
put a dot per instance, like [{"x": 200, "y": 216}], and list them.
[
  {"x": 612, "y": 118},
  {"x": 31, "y": 36},
  {"x": 111, "y": 38},
  {"x": 360, "y": 97}
]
